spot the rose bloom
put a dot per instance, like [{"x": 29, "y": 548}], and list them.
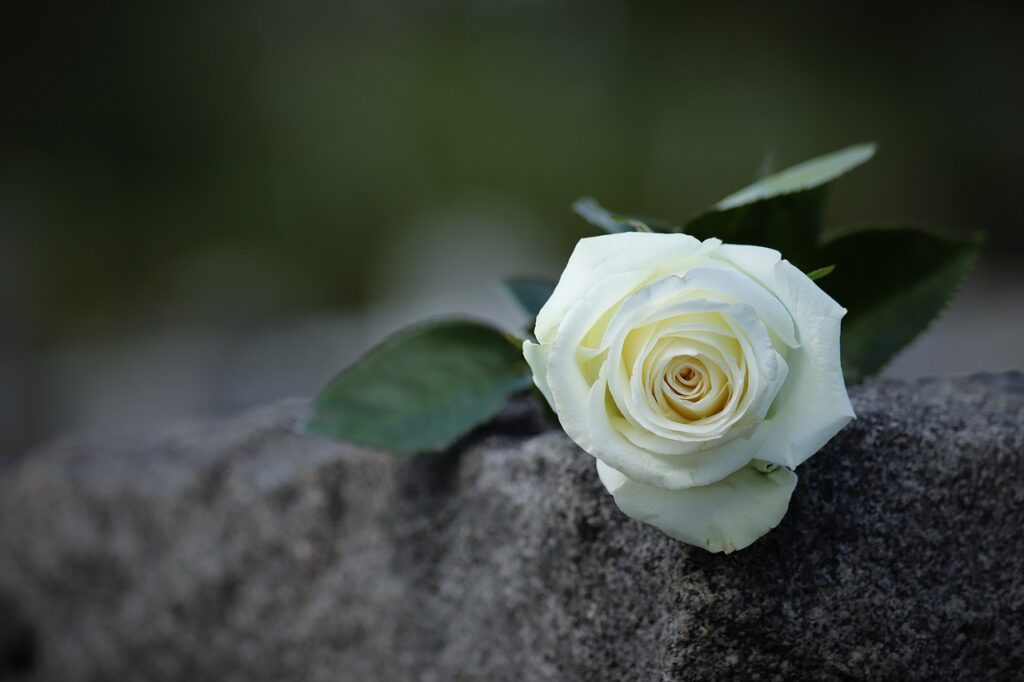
[{"x": 698, "y": 374}]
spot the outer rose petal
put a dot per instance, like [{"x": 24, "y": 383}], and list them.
[
  {"x": 537, "y": 358},
  {"x": 813, "y": 404},
  {"x": 721, "y": 517},
  {"x": 596, "y": 258}
]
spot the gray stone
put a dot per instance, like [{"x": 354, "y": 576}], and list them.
[{"x": 239, "y": 550}]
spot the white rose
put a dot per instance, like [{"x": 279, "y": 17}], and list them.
[{"x": 699, "y": 374}]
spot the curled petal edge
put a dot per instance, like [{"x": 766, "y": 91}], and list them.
[{"x": 721, "y": 517}]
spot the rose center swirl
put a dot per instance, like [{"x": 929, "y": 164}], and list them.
[{"x": 688, "y": 388}]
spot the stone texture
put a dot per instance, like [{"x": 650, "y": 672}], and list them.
[{"x": 238, "y": 550}]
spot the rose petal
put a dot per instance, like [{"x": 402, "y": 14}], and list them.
[
  {"x": 537, "y": 358},
  {"x": 721, "y": 517},
  {"x": 602, "y": 432},
  {"x": 813, "y": 404},
  {"x": 740, "y": 288},
  {"x": 596, "y": 258}
]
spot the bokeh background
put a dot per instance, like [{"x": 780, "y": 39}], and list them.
[{"x": 210, "y": 205}]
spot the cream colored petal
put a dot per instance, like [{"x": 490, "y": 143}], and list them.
[
  {"x": 754, "y": 383},
  {"x": 654, "y": 303},
  {"x": 721, "y": 517},
  {"x": 568, "y": 378},
  {"x": 596, "y": 258},
  {"x": 736, "y": 287},
  {"x": 644, "y": 410},
  {"x": 812, "y": 405},
  {"x": 537, "y": 358},
  {"x": 601, "y": 430},
  {"x": 673, "y": 297}
]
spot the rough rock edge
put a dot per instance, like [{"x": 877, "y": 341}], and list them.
[{"x": 240, "y": 550}]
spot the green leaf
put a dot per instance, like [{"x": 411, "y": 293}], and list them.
[
  {"x": 598, "y": 216},
  {"x": 893, "y": 282},
  {"x": 783, "y": 211},
  {"x": 530, "y": 294},
  {"x": 789, "y": 223},
  {"x": 422, "y": 388},
  {"x": 815, "y": 275},
  {"x": 801, "y": 177}
]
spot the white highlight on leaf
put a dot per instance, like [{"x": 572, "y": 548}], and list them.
[{"x": 802, "y": 176}]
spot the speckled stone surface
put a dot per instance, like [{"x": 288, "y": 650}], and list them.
[{"x": 238, "y": 550}]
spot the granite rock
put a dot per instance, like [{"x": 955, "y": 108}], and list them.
[{"x": 240, "y": 550}]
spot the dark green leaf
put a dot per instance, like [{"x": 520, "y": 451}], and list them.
[
  {"x": 530, "y": 294},
  {"x": 422, "y": 388},
  {"x": 789, "y": 223},
  {"x": 591, "y": 211},
  {"x": 783, "y": 211},
  {"x": 815, "y": 275},
  {"x": 893, "y": 282}
]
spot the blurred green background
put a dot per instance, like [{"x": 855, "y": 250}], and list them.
[{"x": 209, "y": 205}]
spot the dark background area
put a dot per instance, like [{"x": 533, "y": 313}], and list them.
[{"x": 205, "y": 205}]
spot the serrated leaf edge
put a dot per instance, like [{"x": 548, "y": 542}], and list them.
[{"x": 971, "y": 257}]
